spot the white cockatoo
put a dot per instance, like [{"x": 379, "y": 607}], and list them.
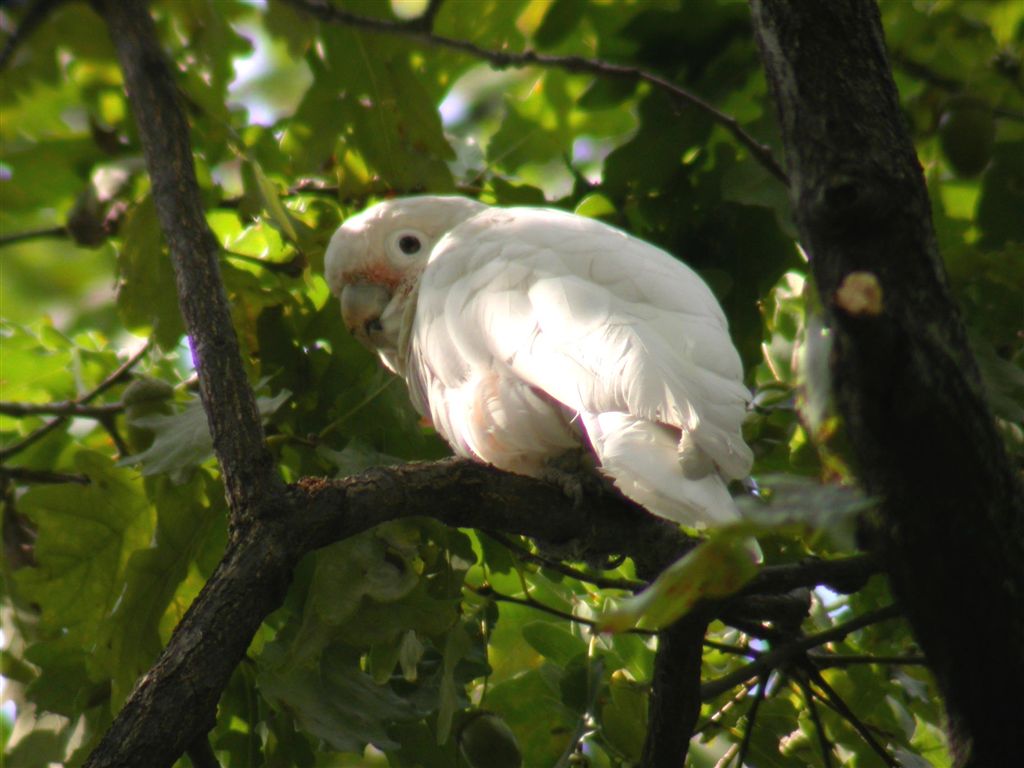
[{"x": 526, "y": 333}]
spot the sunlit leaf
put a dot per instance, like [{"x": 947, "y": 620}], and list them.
[
  {"x": 182, "y": 440},
  {"x": 717, "y": 567}
]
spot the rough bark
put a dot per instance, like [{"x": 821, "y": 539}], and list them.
[
  {"x": 675, "y": 692},
  {"x": 250, "y": 480},
  {"x": 176, "y": 700},
  {"x": 952, "y": 533},
  {"x": 174, "y": 704}
]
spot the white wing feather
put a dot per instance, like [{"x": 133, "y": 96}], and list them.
[{"x": 532, "y": 324}]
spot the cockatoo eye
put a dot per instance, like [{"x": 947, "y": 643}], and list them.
[{"x": 409, "y": 244}]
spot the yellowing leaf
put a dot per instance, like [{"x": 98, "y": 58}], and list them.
[
  {"x": 272, "y": 203},
  {"x": 716, "y": 568}
]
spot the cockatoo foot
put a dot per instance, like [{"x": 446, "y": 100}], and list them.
[{"x": 576, "y": 474}]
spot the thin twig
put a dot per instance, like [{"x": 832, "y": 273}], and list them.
[
  {"x": 737, "y": 650},
  {"x": 844, "y": 574},
  {"x": 726, "y": 758},
  {"x": 426, "y": 21},
  {"x": 33, "y": 234},
  {"x": 529, "y": 602},
  {"x": 316, "y": 188},
  {"x": 201, "y": 753},
  {"x": 119, "y": 373},
  {"x": 930, "y": 76},
  {"x": 109, "y": 423},
  {"x": 576, "y": 64},
  {"x": 748, "y": 732},
  {"x": 825, "y": 660},
  {"x": 819, "y": 728},
  {"x": 33, "y": 17},
  {"x": 63, "y": 408},
  {"x": 27, "y": 475},
  {"x": 779, "y": 656},
  {"x": 717, "y": 715},
  {"x": 834, "y": 700},
  {"x": 631, "y": 585}
]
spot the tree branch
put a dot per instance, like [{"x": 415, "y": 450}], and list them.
[
  {"x": 904, "y": 378},
  {"x": 176, "y": 700},
  {"x": 748, "y": 731},
  {"x": 66, "y": 408},
  {"x": 35, "y": 16},
  {"x": 930, "y": 76},
  {"x": 273, "y": 527},
  {"x": 33, "y": 234},
  {"x": 252, "y": 485},
  {"x": 168, "y": 709},
  {"x": 836, "y": 702},
  {"x": 201, "y": 753},
  {"x": 823, "y": 743},
  {"x": 826, "y": 660},
  {"x": 675, "y": 692},
  {"x": 576, "y": 64},
  {"x": 28, "y": 475},
  {"x": 786, "y": 653},
  {"x": 630, "y": 585},
  {"x": 118, "y": 374}
]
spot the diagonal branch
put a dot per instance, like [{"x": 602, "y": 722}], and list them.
[
  {"x": 576, "y": 64},
  {"x": 34, "y": 17},
  {"x": 834, "y": 700},
  {"x": 168, "y": 710},
  {"x": 785, "y": 653},
  {"x": 819, "y": 729},
  {"x": 252, "y": 485},
  {"x": 118, "y": 374},
  {"x": 675, "y": 691}
]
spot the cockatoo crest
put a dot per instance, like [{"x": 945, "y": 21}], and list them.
[{"x": 524, "y": 333}]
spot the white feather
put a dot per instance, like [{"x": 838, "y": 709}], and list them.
[{"x": 532, "y": 326}]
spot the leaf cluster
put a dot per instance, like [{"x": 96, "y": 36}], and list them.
[{"x": 390, "y": 643}]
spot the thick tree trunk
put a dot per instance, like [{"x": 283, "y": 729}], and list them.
[
  {"x": 952, "y": 531},
  {"x": 675, "y": 693}
]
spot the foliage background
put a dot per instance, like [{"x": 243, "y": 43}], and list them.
[{"x": 296, "y": 125}]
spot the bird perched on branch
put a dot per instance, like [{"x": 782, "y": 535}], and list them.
[{"x": 527, "y": 333}]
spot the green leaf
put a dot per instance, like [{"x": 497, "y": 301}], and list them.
[
  {"x": 553, "y": 641},
  {"x": 145, "y": 290},
  {"x": 457, "y": 645},
  {"x": 182, "y": 441},
  {"x": 64, "y": 685},
  {"x": 272, "y": 202},
  {"x": 130, "y": 638},
  {"x": 333, "y": 701},
  {"x": 561, "y": 19},
  {"x": 1002, "y": 197},
  {"x": 383, "y": 598},
  {"x": 799, "y": 505},
  {"x": 531, "y": 706},
  {"x": 624, "y": 716},
  {"x": 595, "y": 206},
  {"x": 522, "y": 140},
  {"x": 85, "y": 536}
]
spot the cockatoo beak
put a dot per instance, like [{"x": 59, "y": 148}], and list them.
[{"x": 362, "y": 305}]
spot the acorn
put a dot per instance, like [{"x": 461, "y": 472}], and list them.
[
  {"x": 145, "y": 396},
  {"x": 967, "y": 131},
  {"x": 486, "y": 741}
]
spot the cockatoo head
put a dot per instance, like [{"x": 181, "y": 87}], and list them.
[{"x": 375, "y": 259}]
